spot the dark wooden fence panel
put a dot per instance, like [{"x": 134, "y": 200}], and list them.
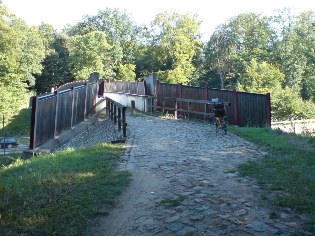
[
  {"x": 124, "y": 87},
  {"x": 165, "y": 90},
  {"x": 252, "y": 109},
  {"x": 245, "y": 108},
  {"x": 79, "y": 104},
  {"x": 191, "y": 92},
  {"x": 54, "y": 113},
  {"x": 45, "y": 118},
  {"x": 92, "y": 92},
  {"x": 64, "y": 111}
]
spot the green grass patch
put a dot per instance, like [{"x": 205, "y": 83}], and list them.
[
  {"x": 174, "y": 202},
  {"x": 19, "y": 125},
  {"x": 287, "y": 173},
  {"x": 58, "y": 194}
]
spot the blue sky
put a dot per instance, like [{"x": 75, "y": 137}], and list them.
[{"x": 212, "y": 13}]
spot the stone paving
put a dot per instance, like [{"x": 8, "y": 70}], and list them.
[{"x": 185, "y": 182}]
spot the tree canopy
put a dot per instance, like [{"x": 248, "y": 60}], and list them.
[{"x": 250, "y": 52}]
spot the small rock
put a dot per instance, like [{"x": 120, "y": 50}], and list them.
[
  {"x": 258, "y": 226},
  {"x": 175, "y": 227},
  {"x": 186, "y": 231},
  {"x": 172, "y": 219},
  {"x": 196, "y": 217},
  {"x": 240, "y": 212}
]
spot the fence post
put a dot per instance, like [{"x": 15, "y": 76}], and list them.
[
  {"x": 111, "y": 111},
  {"x": 107, "y": 106},
  {"x": 156, "y": 88},
  {"x": 72, "y": 106},
  {"x": 205, "y": 96},
  {"x": 101, "y": 89},
  {"x": 124, "y": 122},
  {"x": 145, "y": 87},
  {"x": 268, "y": 109},
  {"x": 85, "y": 100},
  {"x": 176, "y": 107},
  {"x": 180, "y": 95},
  {"x": 205, "y": 92},
  {"x": 33, "y": 123},
  {"x": 115, "y": 114},
  {"x": 57, "y": 112},
  {"x": 133, "y": 107},
  {"x": 119, "y": 119},
  {"x": 235, "y": 107}
]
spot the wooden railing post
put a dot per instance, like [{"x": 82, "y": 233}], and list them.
[
  {"x": 72, "y": 106},
  {"x": 111, "y": 111},
  {"x": 119, "y": 119},
  {"x": 180, "y": 95},
  {"x": 156, "y": 88},
  {"x": 85, "y": 100},
  {"x": 124, "y": 122},
  {"x": 235, "y": 107},
  {"x": 176, "y": 107},
  {"x": 107, "y": 106},
  {"x": 102, "y": 89},
  {"x": 205, "y": 95},
  {"x": 56, "y": 113},
  {"x": 268, "y": 109},
  {"x": 145, "y": 88},
  {"x": 33, "y": 123},
  {"x": 115, "y": 114}
]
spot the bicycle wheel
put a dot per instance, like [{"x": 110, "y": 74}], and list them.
[{"x": 224, "y": 127}]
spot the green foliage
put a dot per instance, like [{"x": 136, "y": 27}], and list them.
[
  {"x": 260, "y": 78},
  {"x": 19, "y": 124},
  {"x": 287, "y": 172},
  {"x": 175, "y": 44},
  {"x": 90, "y": 53},
  {"x": 22, "y": 49},
  {"x": 56, "y": 68},
  {"x": 234, "y": 44},
  {"x": 288, "y": 105},
  {"x": 58, "y": 194},
  {"x": 126, "y": 72}
]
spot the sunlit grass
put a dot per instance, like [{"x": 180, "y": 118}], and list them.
[
  {"x": 59, "y": 193},
  {"x": 287, "y": 173}
]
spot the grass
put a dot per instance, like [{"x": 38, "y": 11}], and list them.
[
  {"x": 287, "y": 173},
  {"x": 58, "y": 194},
  {"x": 19, "y": 125},
  {"x": 174, "y": 202}
]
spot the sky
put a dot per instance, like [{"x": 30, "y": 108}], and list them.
[{"x": 59, "y": 13}]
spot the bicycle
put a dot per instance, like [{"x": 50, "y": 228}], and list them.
[{"x": 218, "y": 117}]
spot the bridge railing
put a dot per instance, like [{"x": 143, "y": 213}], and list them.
[
  {"x": 247, "y": 109},
  {"x": 117, "y": 113},
  {"x": 53, "y": 113}
]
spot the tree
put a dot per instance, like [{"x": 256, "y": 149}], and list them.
[
  {"x": 235, "y": 43},
  {"x": 122, "y": 34},
  {"x": 260, "y": 78},
  {"x": 22, "y": 50},
  {"x": 176, "y": 42},
  {"x": 90, "y": 53}
]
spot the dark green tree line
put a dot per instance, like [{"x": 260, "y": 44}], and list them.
[{"x": 250, "y": 52}]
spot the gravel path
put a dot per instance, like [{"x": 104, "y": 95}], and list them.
[
  {"x": 185, "y": 182},
  {"x": 102, "y": 131}
]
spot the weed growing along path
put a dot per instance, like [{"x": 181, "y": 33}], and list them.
[
  {"x": 58, "y": 193},
  {"x": 185, "y": 182}
]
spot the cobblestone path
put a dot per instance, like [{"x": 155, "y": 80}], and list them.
[{"x": 185, "y": 182}]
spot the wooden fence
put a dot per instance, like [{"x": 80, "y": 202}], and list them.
[
  {"x": 247, "y": 109},
  {"x": 56, "y": 112}
]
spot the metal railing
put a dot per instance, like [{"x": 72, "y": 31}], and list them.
[{"x": 117, "y": 114}]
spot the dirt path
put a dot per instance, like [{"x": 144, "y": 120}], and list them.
[{"x": 185, "y": 183}]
